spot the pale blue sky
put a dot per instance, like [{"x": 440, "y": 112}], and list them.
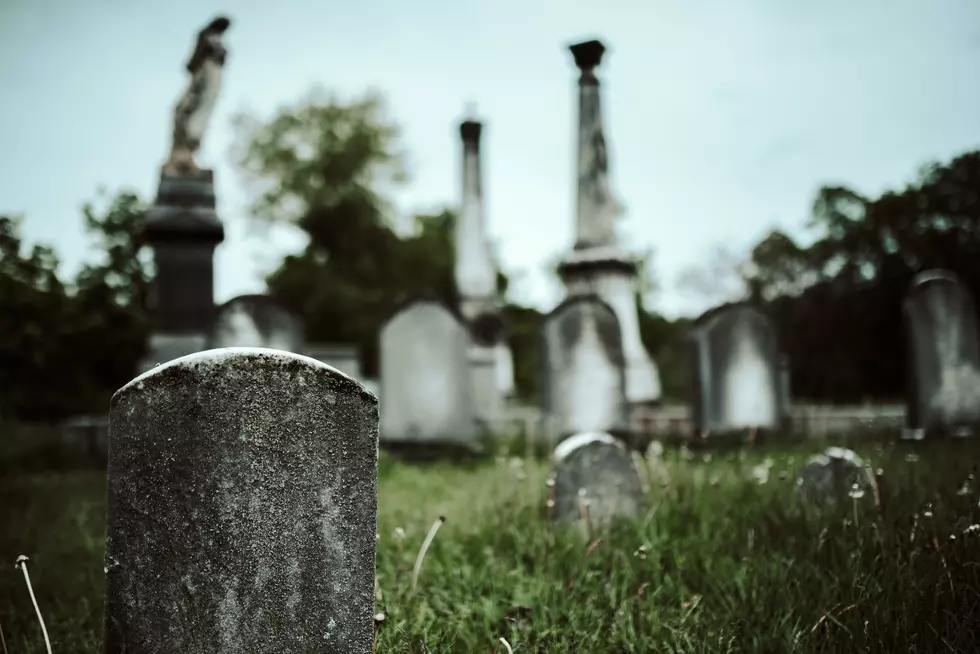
[{"x": 723, "y": 117}]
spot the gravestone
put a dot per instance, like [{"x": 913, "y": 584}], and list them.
[
  {"x": 943, "y": 339},
  {"x": 835, "y": 475},
  {"x": 242, "y": 507},
  {"x": 595, "y": 477},
  {"x": 738, "y": 384},
  {"x": 583, "y": 380},
  {"x": 257, "y": 321},
  {"x": 425, "y": 378}
]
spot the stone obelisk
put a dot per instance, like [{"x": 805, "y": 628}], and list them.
[
  {"x": 597, "y": 263},
  {"x": 476, "y": 281}
]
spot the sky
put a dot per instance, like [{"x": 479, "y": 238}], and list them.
[{"x": 722, "y": 118}]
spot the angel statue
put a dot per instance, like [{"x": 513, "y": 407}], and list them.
[{"x": 194, "y": 109}]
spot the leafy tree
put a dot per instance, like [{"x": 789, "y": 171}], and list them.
[
  {"x": 111, "y": 326},
  {"x": 838, "y": 301},
  {"x": 65, "y": 348},
  {"x": 33, "y": 305},
  {"x": 327, "y": 167}
]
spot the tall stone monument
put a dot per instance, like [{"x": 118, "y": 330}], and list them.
[
  {"x": 182, "y": 226},
  {"x": 476, "y": 279},
  {"x": 597, "y": 264}
]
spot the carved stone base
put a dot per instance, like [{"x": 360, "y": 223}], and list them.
[
  {"x": 182, "y": 228},
  {"x": 610, "y": 273},
  {"x": 184, "y": 206}
]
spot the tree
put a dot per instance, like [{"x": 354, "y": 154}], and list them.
[
  {"x": 327, "y": 167},
  {"x": 838, "y": 301},
  {"x": 65, "y": 348},
  {"x": 33, "y": 304},
  {"x": 111, "y": 325},
  {"x": 721, "y": 278}
]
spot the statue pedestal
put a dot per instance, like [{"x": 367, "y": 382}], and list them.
[
  {"x": 182, "y": 228},
  {"x": 610, "y": 273},
  {"x": 185, "y": 207}
]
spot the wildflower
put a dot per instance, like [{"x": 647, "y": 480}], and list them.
[
  {"x": 761, "y": 473},
  {"x": 911, "y": 457},
  {"x": 641, "y": 552},
  {"x": 706, "y": 457},
  {"x": 928, "y": 512},
  {"x": 972, "y": 529},
  {"x": 686, "y": 453},
  {"x": 856, "y": 492},
  {"x": 656, "y": 449}
]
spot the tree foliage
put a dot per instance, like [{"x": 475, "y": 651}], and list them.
[
  {"x": 65, "y": 347},
  {"x": 838, "y": 301}
]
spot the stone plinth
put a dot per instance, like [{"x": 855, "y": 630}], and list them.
[
  {"x": 610, "y": 274},
  {"x": 182, "y": 228}
]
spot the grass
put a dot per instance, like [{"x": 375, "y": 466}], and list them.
[{"x": 719, "y": 563}]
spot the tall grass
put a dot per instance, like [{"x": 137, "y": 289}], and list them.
[{"x": 719, "y": 562}]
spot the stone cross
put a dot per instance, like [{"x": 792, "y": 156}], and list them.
[{"x": 242, "y": 507}]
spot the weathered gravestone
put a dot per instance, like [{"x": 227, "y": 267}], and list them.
[
  {"x": 943, "y": 338},
  {"x": 738, "y": 384},
  {"x": 257, "y": 321},
  {"x": 595, "y": 480},
  {"x": 583, "y": 380},
  {"x": 425, "y": 379},
  {"x": 835, "y": 475},
  {"x": 242, "y": 507}
]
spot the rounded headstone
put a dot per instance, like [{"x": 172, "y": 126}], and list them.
[
  {"x": 256, "y": 321},
  {"x": 835, "y": 475},
  {"x": 599, "y": 469},
  {"x": 242, "y": 507}
]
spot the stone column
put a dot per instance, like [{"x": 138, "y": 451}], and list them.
[
  {"x": 476, "y": 279},
  {"x": 182, "y": 228},
  {"x": 596, "y": 209},
  {"x": 476, "y": 275},
  {"x": 242, "y": 507}
]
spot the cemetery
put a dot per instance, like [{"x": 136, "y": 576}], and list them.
[{"x": 249, "y": 487}]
